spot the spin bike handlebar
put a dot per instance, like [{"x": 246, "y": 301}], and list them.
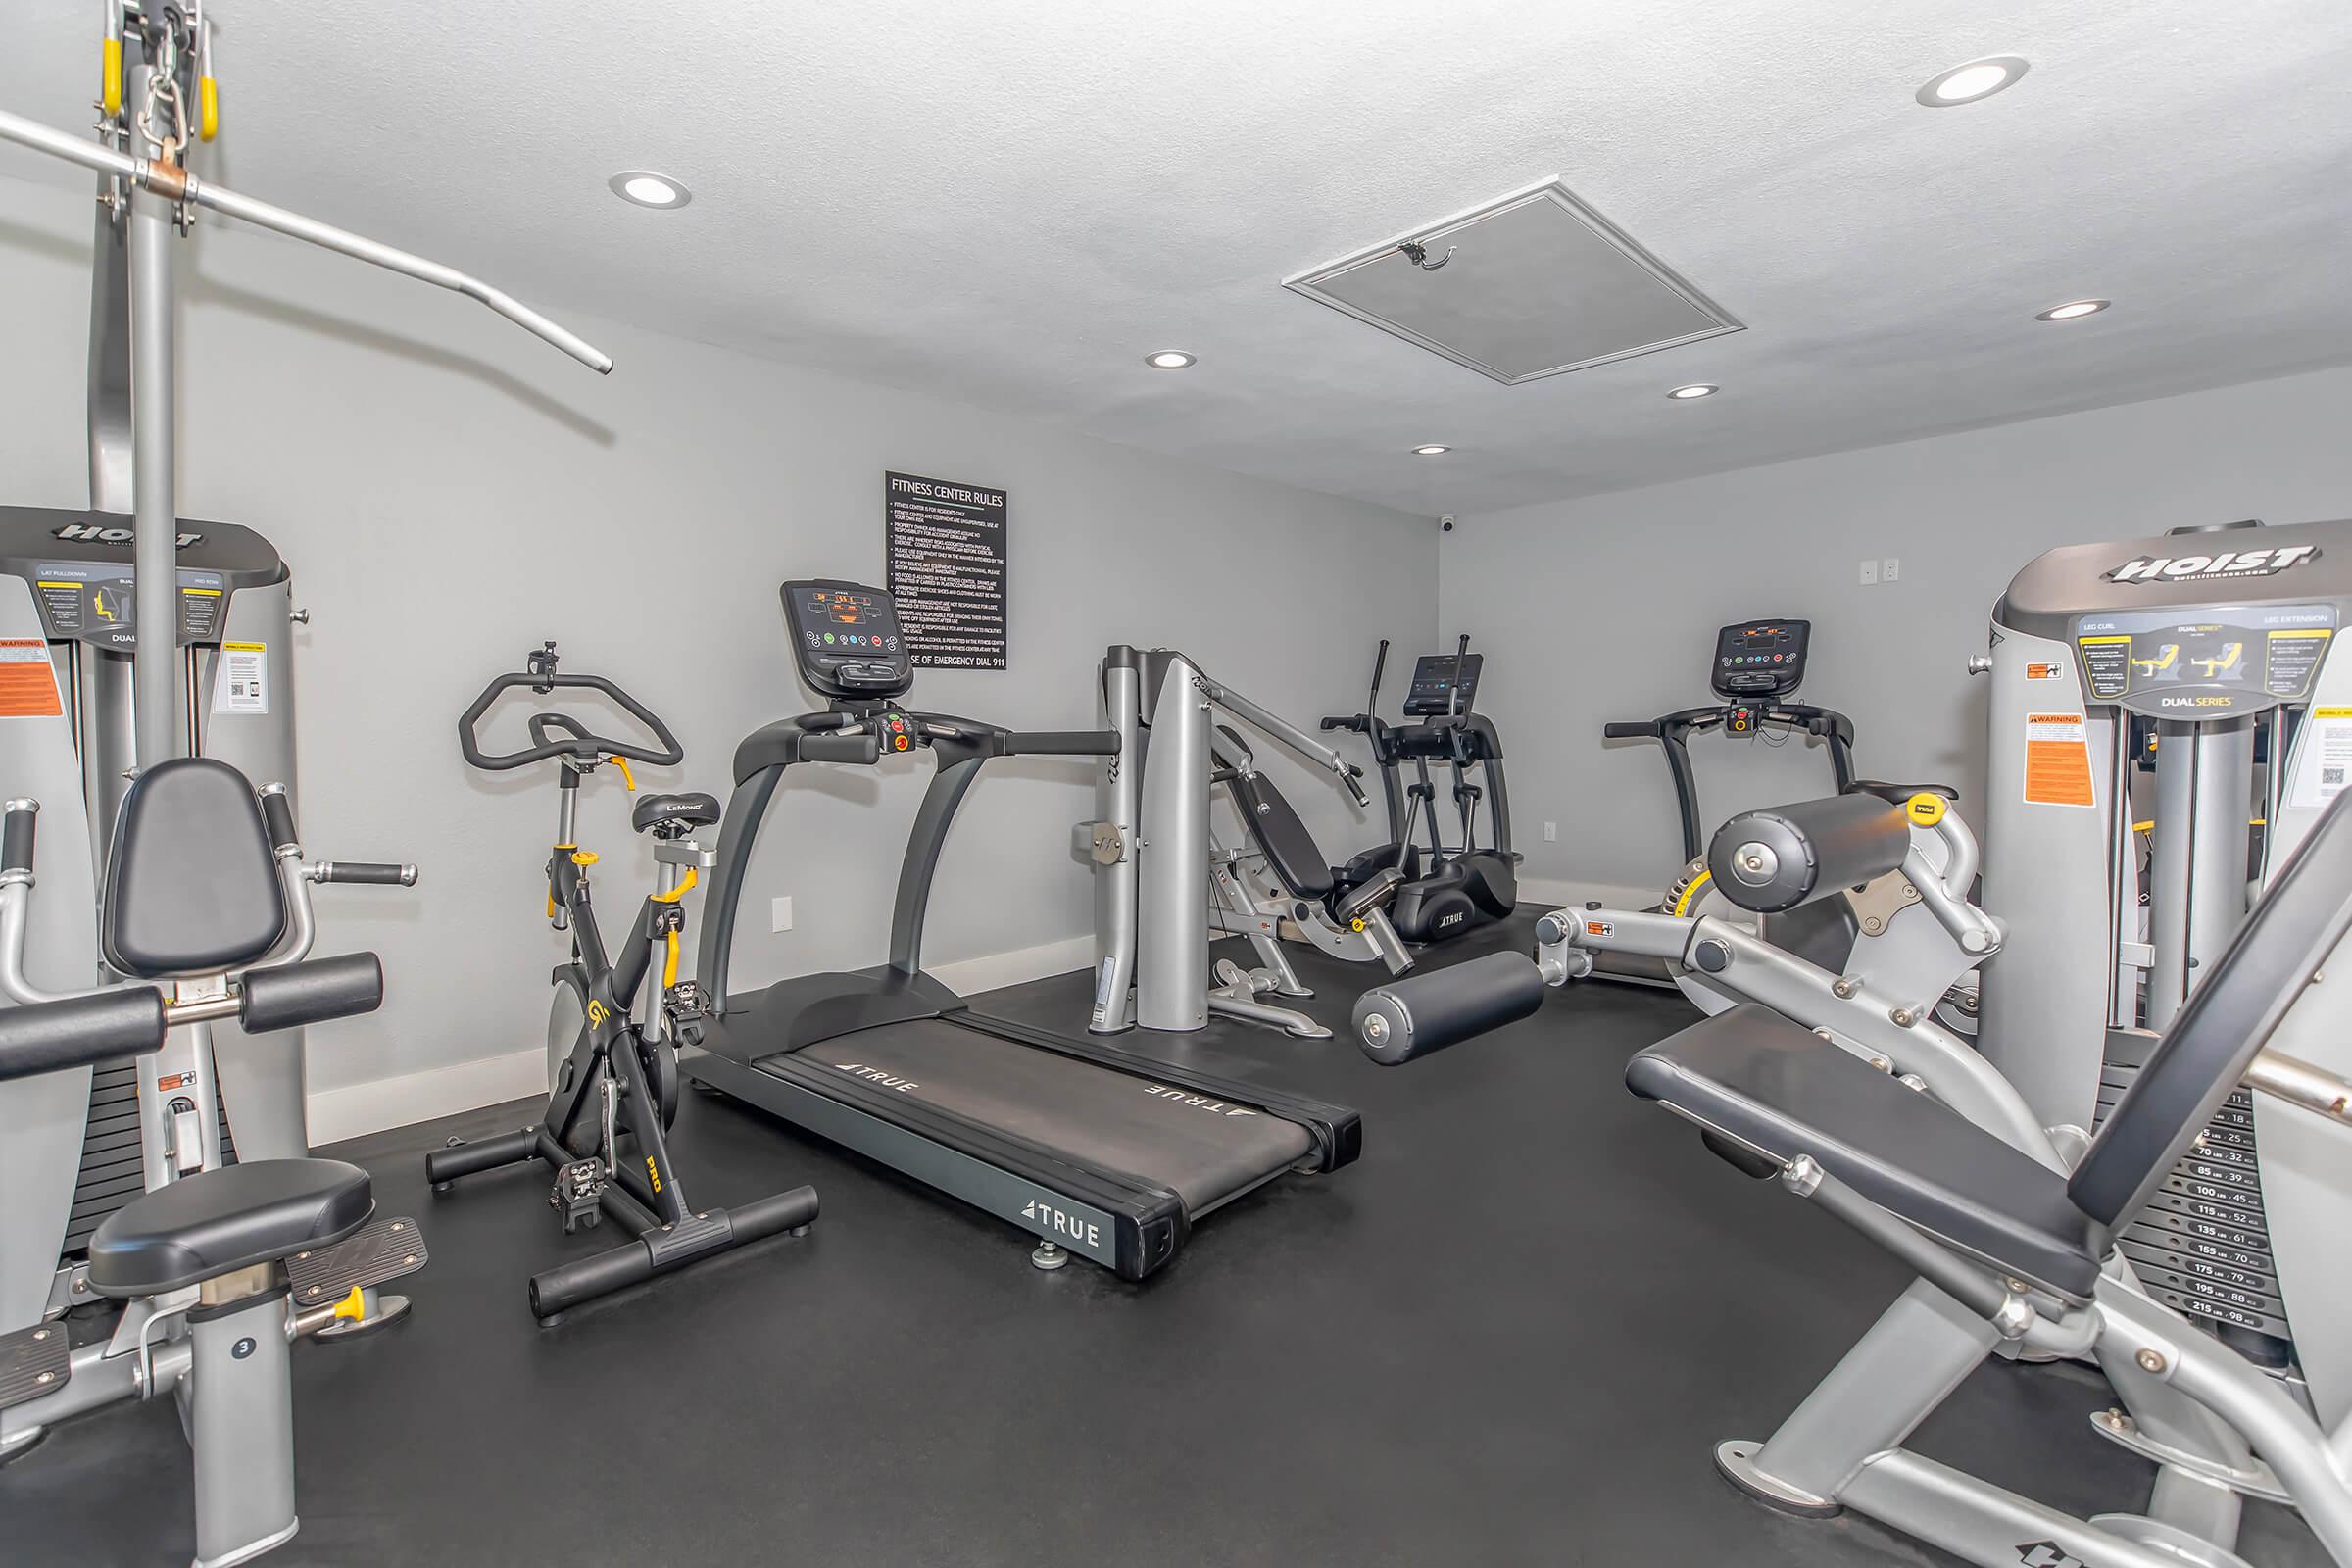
[{"x": 581, "y": 742}]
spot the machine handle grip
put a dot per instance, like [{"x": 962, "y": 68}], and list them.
[
  {"x": 79, "y": 1031},
  {"x": 1638, "y": 730},
  {"x": 310, "y": 993},
  {"x": 670, "y": 755},
  {"x": 1426, "y": 1013},
  {"x": 367, "y": 873},
  {"x": 1353, "y": 778},
  {"x": 277, "y": 816},
  {"x": 1063, "y": 743},
  {"x": 1353, "y": 722},
  {"x": 859, "y": 745},
  {"x": 16, "y": 835}
]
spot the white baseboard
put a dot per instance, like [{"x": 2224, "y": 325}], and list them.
[
  {"x": 968, "y": 977},
  {"x": 382, "y": 1104}
]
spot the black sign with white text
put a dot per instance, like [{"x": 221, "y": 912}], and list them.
[{"x": 945, "y": 550}]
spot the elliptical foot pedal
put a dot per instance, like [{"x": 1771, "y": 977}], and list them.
[
  {"x": 383, "y": 1250},
  {"x": 34, "y": 1362}
]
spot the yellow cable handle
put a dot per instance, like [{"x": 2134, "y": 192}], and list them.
[
  {"x": 111, "y": 86},
  {"x": 208, "y": 107},
  {"x": 669, "y": 966},
  {"x": 684, "y": 887},
  {"x": 626, "y": 777}
]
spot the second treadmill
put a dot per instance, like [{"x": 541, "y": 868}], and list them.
[{"x": 1094, "y": 1149}]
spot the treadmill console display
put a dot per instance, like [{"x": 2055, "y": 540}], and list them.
[
  {"x": 1760, "y": 659},
  {"x": 1434, "y": 680},
  {"x": 846, "y": 636}
]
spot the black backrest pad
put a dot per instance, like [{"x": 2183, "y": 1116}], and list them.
[
  {"x": 1288, "y": 846},
  {"x": 2230, "y": 1016},
  {"x": 191, "y": 884}
]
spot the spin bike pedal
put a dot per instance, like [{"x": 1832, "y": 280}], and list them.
[
  {"x": 579, "y": 1185},
  {"x": 683, "y": 1003}
]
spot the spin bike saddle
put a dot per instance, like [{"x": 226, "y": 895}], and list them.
[{"x": 692, "y": 809}]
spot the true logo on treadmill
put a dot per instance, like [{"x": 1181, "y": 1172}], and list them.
[
  {"x": 1445, "y": 921},
  {"x": 1050, "y": 1222},
  {"x": 1181, "y": 1097},
  {"x": 876, "y": 1075}
]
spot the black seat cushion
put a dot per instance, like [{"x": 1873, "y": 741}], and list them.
[
  {"x": 1783, "y": 1091},
  {"x": 692, "y": 809},
  {"x": 218, "y": 1221},
  {"x": 1289, "y": 848},
  {"x": 191, "y": 882}
]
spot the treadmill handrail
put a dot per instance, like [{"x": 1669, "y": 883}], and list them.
[{"x": 1672, "y": 731}]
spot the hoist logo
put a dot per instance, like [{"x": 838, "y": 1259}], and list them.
[
  {"x": 91, "y": 533},
  {"x": 2200, "y": 568}
]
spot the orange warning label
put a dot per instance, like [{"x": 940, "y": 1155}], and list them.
[
  {"x": 2057, "y": 760},
  {"x": 27, "y": 680},
  {"x": 177, "y": 1080},
  {"x": 2042, "y": 671}
]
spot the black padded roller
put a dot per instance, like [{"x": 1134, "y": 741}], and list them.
[
  {"x": 312, "y": 992},
  {"x": 1783, "y": 856},
  {"x": 49, "y": 1036},
  {"x": 16, "y": 838},
  {"x": 1427, "y": 1013}
]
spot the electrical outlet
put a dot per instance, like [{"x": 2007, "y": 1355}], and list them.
[
  {"x": 1890, "y": 570},
  {"x": 779, "y": 913},
  {"x": 1551, "y": 832},
  {"x": 1870, "y": 573}
]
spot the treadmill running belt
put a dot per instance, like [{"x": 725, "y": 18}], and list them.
[{"x": 1204, "y": 1149}]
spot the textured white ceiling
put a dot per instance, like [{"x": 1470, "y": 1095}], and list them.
[{"x": 1012, "y": 204}]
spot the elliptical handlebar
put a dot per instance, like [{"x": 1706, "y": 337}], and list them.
[{"x": 581, "y": 742}]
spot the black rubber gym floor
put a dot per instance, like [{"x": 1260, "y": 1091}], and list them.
[{"x": 1510, "y": 1334}]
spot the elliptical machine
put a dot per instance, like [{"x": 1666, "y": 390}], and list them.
[{"x": 1455, "y": 888}]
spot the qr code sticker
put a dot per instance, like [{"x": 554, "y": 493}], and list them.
[{"x": 2331, "y": 777}]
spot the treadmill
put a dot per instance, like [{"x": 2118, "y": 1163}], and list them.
[
  {"x": 1758, "y": 666},
  {"x": 1092, "y": 1146}
]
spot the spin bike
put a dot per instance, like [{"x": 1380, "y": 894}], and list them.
[{"x": 612, "y": 1038}]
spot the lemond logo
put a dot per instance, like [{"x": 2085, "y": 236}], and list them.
[
  {"x": 89, "y": 533},
  {"x": 2229, "y": 564}
]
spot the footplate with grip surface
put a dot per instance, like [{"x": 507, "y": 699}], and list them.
[
  {"x": 384, "y": 1250},
  {"x": 673, "y": 1245},
  {"x": 33, "y": 1361}
]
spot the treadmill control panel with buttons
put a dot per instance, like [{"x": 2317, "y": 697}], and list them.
[
  {"x": 1760, "y": 659},
  {"x": 1435, "y": 677},
  {"x": 845, "y": 637}
]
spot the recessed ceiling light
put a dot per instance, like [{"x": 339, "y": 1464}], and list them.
[
  {"x": 1431, "y": 451},
  {"x": 2072, "y": 309},
  {"x": 1696, "y": 389},
  {"x": 1966, "y": 85},
  {"x": 1170, "y": 359},
  {"x": 649, "y": 189}
]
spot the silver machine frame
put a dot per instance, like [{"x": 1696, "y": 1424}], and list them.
[
  {"x": 2250, "y": 614},
  {"x": 2069, "y": 989},
  {"x": 227, "y": 1364},
  {"x": 1166, "y": 882}
]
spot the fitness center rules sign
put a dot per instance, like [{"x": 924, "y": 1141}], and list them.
[{"x": 946, "y": 548}]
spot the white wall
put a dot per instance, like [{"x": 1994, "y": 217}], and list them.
[
  {"x": 1606, "y": 608},
  {"x": 449, "y": 491}
]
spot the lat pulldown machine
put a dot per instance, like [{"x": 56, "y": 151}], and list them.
[{"x": 185, "y": 901}]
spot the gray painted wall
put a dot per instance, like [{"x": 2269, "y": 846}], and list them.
[
  {"x": 1605, "y": 608},
  {"x": 450, "y": 492}
]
